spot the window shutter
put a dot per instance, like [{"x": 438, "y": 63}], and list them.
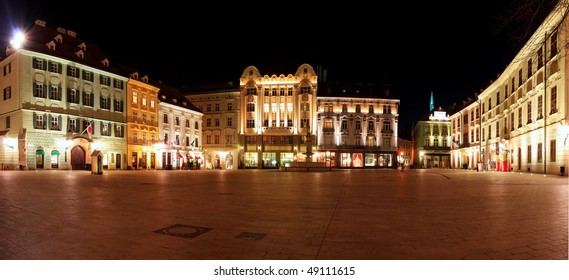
[
  {"x": 68, "y": 70},
  {"x": 35, "y": 119},
  {"x": 44, "y": 120},
  {"x": 68, "y": 124},
  {"x": 122, "y": 106},
  {"x": 48, "y": 121},
  {"x": 34, "y": 62},
  {"x": 83, "y": 98},
  {"x": 59, "y": 123},
  {"x": 59, "y": 68},
  {"x": 44, "y": 90},
  {"x": 102, "y": 124},
  {"x": 49, "y": 65},
  {"x": 92, "y": 100},
  {"x": 115, "y": 129},
  {"x": 59, "y": 93},
  {"x": 92, "y": 77},
  {"x": 101, "y": 102}
]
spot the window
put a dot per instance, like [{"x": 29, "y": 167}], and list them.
[
  {"x": 387, "y": 127},
  {"x": 358, "y": 125},
  {"x": 135, "y": 137},
  {"x": 216, "y": 139},
  {"x": 344, "y": 108},
  {"x": 427, "y": 128},
  {"x": 289, "y": 91},
  {"x": 143, "y": 100},
  {"x": 553, "y": 96},
  {"x": 539, "y": 107},
  {"x": 72, "y": 126},
  {"x": 187, "y": 123},
  {"x": 552, "y": 150},
  {"x": 196, "y": 125},
  {"x": 370, "y": 109},
  {"x": 165, "y": 118},
  {"x": 87, "y": 76},
  {"x": 229, "y": 106},
  {"x": 304, "y": 123},
  {"x": 72, "y": 96},
  {"x": 436, "y": 129},
  {"x": 166, "y": 138},
  {"x": 54, "y": 67},
  {"x": 39, "y": 122},
  {"x": 304, "y": 107},
  {"x": 529, "y": 153},
  {"x": 498, "y": 97},
  {"x": 135, "y": 116},
  {"x": 519, "y": 117},
  {"x": 250, "y": 107},
  {"x": 54, "y": 93},
  {"x": 530, "y": 66},
  {"x": 143, "y": 118},
  {"x": 540, "y": 58},
  {"x": 39, "y": 90},
  {"x": 520, "y": 78},
  {"x": 229, "y": 139},
  {"x": 328, "y": 108},
  {"x": 7, "y": 122},
  {"x": 177, "y": 121},
  {"x": 250, "y": 123},
  {"x": 151, "y": 103},
  {"x": 105, "y": 129},
  {"x": 539, "y": 152},
  {"x": 358, "y": 108},
  {"x": 208, "y": 122},
  {"x": 216, "y": 121},
  {"x": 7, "y": 69},
  {"x": 304, "y": 89},
  {"x": 152, "y": 120},
  {"x": 134, "y": 97},
  {"x": 104, "y": 80},
  {"x": 251, "y": 91},
  {"x": 553, "y": 47},
  {"x": 72, "y": 71},
  {"x": 217, "y": 107},
  {"x": 445, "y": 130},
  {"x": 118, "y": 106},
  {"x": 344, "y": 124},
  {"x": 88, "y": 99},
  {"x": 39, "y": 64},
  {"x": 370, "y": 126},
  {"x": 208, "y": 108},
  {"x": 118, "y": 84},
  {"x": 119, "y": 131},
  {"x": 328, "y": 123},
  {"x": 54, "y": 123},
  {"x": 229, "y": 121},
  {"x": 529, "y": 111},
  {"x": 105, "y": 104},
  {"x": 7, "y": 93}
]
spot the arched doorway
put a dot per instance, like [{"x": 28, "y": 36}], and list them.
[
  {"x": 229, "y": 161},
  {"x": 78, "y": 158},
  {"x": 40, "y": 154},
  {"x": 118, "y": 161}
]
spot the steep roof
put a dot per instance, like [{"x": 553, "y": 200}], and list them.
[
  {"x": 63, "y": 43},
  {"x": 172, "y": 95},
  {"x": 383, "y": 91}
]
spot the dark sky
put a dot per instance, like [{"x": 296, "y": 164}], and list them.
[{"x": 451, "y": 50}]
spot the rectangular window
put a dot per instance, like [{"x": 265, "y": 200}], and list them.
[
  {"x": 7, "y": 69},
  {"x": 177, "y": 121},
  {"x": 187, "y": 123},
  {"x": 540, "y": 58},
  {"x": 208, "y": 139},
  {"x": 119, "y": 131},
  {"x": 72, "y": 96},
  {"x": 328, "y": 123},
  {"x": 118, "y": 106},
  {"x": 529, "y": 111},
  {"x": 216, "y": 121},
  {"x": 344, "y": 124},
  {"x": 151, "y": 103},
  {"x": 54, "y": 93},
  {"x": 358, "y": 125},
  {"x": 229, "y": 106},
  {"x": 39, "y": 90},
  {"x": 216, "y": 139},
  {"x": 40, "y": 122},
  {"x": 553, "y": 96},
  {"x": 529, "y": 154},
  {"x": 7, "y": 122},
  {"x": 165, "y": 118},
  {"x": 7, "y": 93},
  {"x": 553, "y": 47},
  {"x": 358, "y": 108},
  {"x": 370, "y": 126},
  {"x": 208, "y": 108},
  {"x": 104, "y": 80},
  {"x": 118, "y": 84},
  {"x": 72, "y": 125},
  {"x": 208, "y": 122},
  {"x": 229, "y": 121},
  {"x": 39, "y": 64},
  {"x": 539, "y": 107},
  {"x": 250, "y": 123},
  {"x": 344, "y": 108},
  {"x": 105, "y": 103},
  {"x": 519, "y": 117},
  {"x": 144, "y": 101},
  {"x": 217, "y": 107},
  {"x": 54, "y": 123},
  {"x": 539, "y": 152},
  {"x": 134, "y": 97},
  {"x": 72, "y": 72},
  {"x": 530, "y": 66},
  {"x": 552, "y": 150}
]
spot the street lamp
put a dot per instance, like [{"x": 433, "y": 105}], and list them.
[{"x": 18, "y": 39}]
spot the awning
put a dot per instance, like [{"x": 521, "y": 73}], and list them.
[
  {"x": 55, "y": 153},
  {"x": 3, "y": 132},
  {"x": 40, "y": 152}
]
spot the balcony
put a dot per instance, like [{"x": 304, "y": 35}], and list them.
[{"x": 277, "y": 130}]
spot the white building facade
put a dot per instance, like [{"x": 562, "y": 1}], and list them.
[{"x": 62, "y": 101}]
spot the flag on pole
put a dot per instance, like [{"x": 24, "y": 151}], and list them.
[
  {"x": 89, "y": 129},
  {"x": 193, "y": 142}
]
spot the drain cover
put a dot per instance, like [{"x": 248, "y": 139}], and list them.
[
  {"x": 251, "y": 235},
  {"x": 185, "y": 231}
]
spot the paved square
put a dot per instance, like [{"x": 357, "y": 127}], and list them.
[{"x": 342, "y": 214}]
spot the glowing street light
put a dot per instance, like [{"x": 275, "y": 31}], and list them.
[{"x": 18, "y": 39}]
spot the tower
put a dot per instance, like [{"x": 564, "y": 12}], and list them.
[{"x": 432, "y": 104}]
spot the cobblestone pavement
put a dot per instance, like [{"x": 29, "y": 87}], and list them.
[{"x": 267, "y": 214}]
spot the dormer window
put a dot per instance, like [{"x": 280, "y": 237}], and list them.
[
  {"x": 51, "y": 45},
  {"x": 105, "y": 62},
  {"x": 80, "y": 54},
  {"x": 145, "y": 78},
  {"x": 58, "y": 38},
  {"x": 134, "y": 75},
  {"x": 83, "y": 47},
  {"x": 174, "y": 100}
]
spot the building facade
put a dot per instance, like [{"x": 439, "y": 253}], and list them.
[
  {"x": 524, "y": 112},
  {"x": 432, "y": 141},
  {"x": 62, "y": 101},
  {"x": 359, "y": 131},
  {"x": 179, "y": 130},
  {"x": 220, "y": 105},
  {"x": 279, "y": 117},
  {"x": 465, "y": 134},
  {"x": 142, "y": 122}
]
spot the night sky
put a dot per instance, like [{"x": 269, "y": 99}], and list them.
[{"x": 419, "y": 48}]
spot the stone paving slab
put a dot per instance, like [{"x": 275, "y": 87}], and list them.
[{"x": 366, "y": 214}]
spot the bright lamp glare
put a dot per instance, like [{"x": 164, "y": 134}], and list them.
[{"x": 17, "y": 40}]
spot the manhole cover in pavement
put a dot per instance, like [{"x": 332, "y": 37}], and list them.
[
  {"x": 251, "y": 235},
  {"x": 185, "y": 231}
]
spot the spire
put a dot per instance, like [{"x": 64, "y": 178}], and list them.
[{"x": 432, "y": 105}]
